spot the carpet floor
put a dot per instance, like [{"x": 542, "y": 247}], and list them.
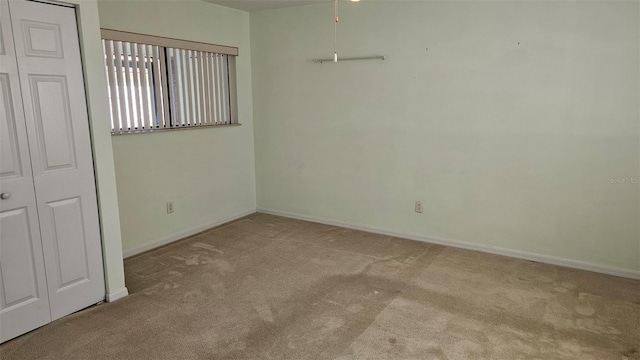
[{"x": 267, "y": 287}]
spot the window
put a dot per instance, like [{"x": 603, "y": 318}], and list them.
[{"x": 158, "y": 83}]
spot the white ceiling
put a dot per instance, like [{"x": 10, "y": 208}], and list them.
[{"x": 257, "y": 5}]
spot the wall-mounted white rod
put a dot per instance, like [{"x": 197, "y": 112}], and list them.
[{"x": 320, "y": 61}]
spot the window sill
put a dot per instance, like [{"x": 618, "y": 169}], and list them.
[{"x": 149, "y": 131}]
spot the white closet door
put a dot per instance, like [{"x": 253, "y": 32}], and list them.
[
  {"x": 50, "y": 70},
  {"x": 24, "y": 303}
]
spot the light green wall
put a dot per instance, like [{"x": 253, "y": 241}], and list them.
[
  {"x": 208, "y": 173},
  {"x": 507, "y": 119}
]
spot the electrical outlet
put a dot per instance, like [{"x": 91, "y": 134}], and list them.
[
  {"x": 170, "y": 207},
  {"x": 419, "y": 207}
]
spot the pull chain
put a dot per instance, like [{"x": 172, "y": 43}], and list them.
[{"x": 335, "y": 32}]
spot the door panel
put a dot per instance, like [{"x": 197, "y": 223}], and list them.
[
  {"x": 52, "y": 117},
  {"x": 10, "y": 166},
  {"x": 24, "y": 301},
  {"x": 69, "y": 242},
  {"x": 17, "y": 257},
  {"x": 42, "y": 39},
  {"x": 52, "y": 82}
]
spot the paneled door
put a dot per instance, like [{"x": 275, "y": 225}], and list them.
[
  {"x": 24, "y": 302},
  {"x": 49, "y": 71}
]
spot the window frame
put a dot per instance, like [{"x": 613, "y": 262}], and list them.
[{"x": 172, "y": 120}]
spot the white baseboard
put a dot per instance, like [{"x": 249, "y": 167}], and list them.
[
  {"x": 183, "y": 234},
  {"x": 118, "y": 294},
  {"x": 626, "y": 273}
]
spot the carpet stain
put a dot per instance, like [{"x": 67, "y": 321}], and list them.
[
  {"x": 192, "y": 260},
  {"x": 303, "y": 325},
  {"x": 264, "y": 311},
  {"x": 630, "y": 353},
  {"x": 585, "y": 310},
  {"x": 223, "y": 266},
  {"x": 200, "y": 245}
]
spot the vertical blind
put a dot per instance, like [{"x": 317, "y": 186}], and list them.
[
  {"x": 205, "y": 76},
  {"x": 136, "y": 94},
  {"x": 153, "y": 87}
]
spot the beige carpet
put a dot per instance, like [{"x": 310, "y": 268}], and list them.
[{"x": 267, "y": 287}]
